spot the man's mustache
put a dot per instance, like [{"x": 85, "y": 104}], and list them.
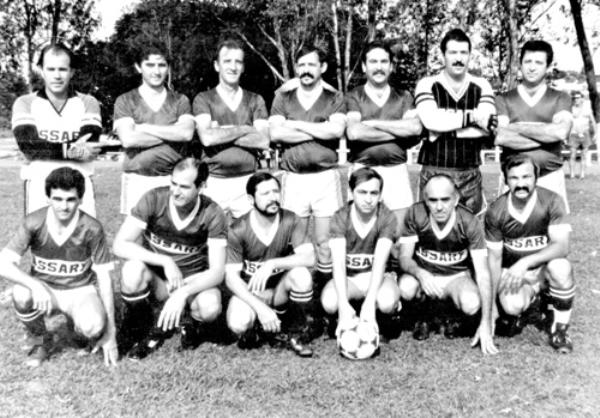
[
  {"x": 525, "y": 189},
  {"x": 307, "y": 74},
  {"x": 458, "y": 63}
]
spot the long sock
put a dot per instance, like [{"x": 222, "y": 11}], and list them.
[
  {"x": 302, "y": 308},
  {"x": 138, "y": 316},
  {"x": 562, "y": 301},
  {"x": 33, "y": 320}
]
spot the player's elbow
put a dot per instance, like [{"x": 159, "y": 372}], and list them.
[
  {"x": 416, "y": 127},
  {"x": 352, "y": 132}
]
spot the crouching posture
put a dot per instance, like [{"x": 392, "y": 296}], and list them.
[
  {"x": 268, "y": 256},
  {"x": 69, "y": 254},
  {"x": 441, "y": 244}
]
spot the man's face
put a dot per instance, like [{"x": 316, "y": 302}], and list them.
[
  {"x": 456, "y": 58},
  {"x": 534, "y": 67},
  {"x": 366, "y": 196},
  {"x": 57, "y": 72},
  {"x": 441, "y": 199},
  {"x": 64, "y": 204},
  {"x": 377, "y": 67},
  {"x": 183, "y": 190},
  {"x": 230, "y": 66},
  {"x": 267, "y": 198},
  {"x": 521, "y": 181},
  {"x": 309, "y": 69},
  {"x": 154, "y": 70}
]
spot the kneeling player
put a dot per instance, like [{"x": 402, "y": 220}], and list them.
[
  {"x": 361, "y": 237},
  {"x": 441, "y": 244},
  {"x": 528, "y": 241},
  {"x": 174, "y": 245},
  {"x": 268, "y": 257},
  {"x": 69, "y": 254}
]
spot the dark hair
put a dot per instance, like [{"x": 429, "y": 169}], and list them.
[
  {"x": 65, "y": 178},
  {"x": 56, "y": 48},
  {"x": 364, "y": 174},
  {"x": 441, "y": 176},
  {"x": 516, "y": 160},
  {"x": 457, "y": 35},
  {"x": 538, "y": 46},
  {"x": 258, "y": 178},
  {"x": 151, "y": 48},
  {"x": 229, "y": 44},
  {"x": 375, "y": 45},
  {"x": 200, "y": 166},
  {"x": 309, "y": 49}
]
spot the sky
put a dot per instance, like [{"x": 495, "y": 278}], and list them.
[{"x": 110, "y": 11}]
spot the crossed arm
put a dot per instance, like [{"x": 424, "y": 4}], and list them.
[
  {"x": 296, "y": 131},
  {"x": 380, "y": 130},
  {"x": 145, "y": 135},
  {"x": 211, "y": 134},
  {"x": 530, "y": 135}
]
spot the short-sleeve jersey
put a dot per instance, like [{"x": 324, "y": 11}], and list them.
[
  {"x": 548, "y": 156},
  {"x": 523, "y": 234},
  {"x": 382, "y": 153},
  {"x": 159, "y": 159},
  {"x": 361, "y": 250},
  {"x": 246, "y": 248},
  {"x": 59, "y": 126},
  {"x": 185, "y": 240},
  {"x": 447, "y": 251},
  {"x": 447, "y": 150},
  {"x": 315, "y": 155},
  {"x": 229, "y": 160},
  {"x": 65, "y": 265}
]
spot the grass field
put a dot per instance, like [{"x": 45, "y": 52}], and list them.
[{"x": 437, "y": 377}]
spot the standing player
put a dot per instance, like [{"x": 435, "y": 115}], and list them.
[
  {"x": 441, "y": 247},
  {"x": 583, "y": 133},
  {"x": 52, "y": 126},
  {"x": 360, "y": 238},
  {"x": 232, "y": 125},
  {"x": 309, "y": 121},
  {"x": 457, "y": 109},
  {"x": 535, "y": 119},
  {"x": 268, "y": 256},
  {"x": 174, "y": 245},
  {"x": 69, "y": 254},
  {"x": 528, "y": 241},
  {"x": 382, "y": 126},
  {"x": 154, "y": 124}
]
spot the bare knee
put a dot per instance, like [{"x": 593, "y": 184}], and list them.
[
  {"x": 387, "y": 299},
  {"x": 513, "y": 304},
  {"x": 90, "y": 324},
  {"x": 409, "y": 287},
  {"x": 329, "y": 299},
  {"x": 300, "y": 279},
  {"x": 134, "y": 276},
  {"x": 560, "y": 273},
  {"x": 239, "y": 320},
  {"x": 22, "y": 297},
  {"x": 206, "y": 306},
  {"x": 470, "y": 303}
]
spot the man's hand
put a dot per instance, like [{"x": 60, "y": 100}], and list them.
[
  {"x": 429, "y": 284},
  {"x": 171, "y": 312},
  {"x": 512, "y": 279},
  {"x": 258, "y": 281},
  {"x": 345, "y": 312},
  {"x": 42, "y": 299},
  {"x": 268, "y": 319},
  {"x": 367, "y": 311},
  {"x": 484, "y": 337},
  {"x": 173, "y": 274},
  {"x": 81, "y": 151},
  {"x": 108, "y": 343}
]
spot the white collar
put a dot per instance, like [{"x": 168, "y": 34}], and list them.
[
  {"x": 531, "y": 101},
  {"x": 445, "y": 81},
  {"x": 362, "y": 229},
  {"x": 177, "y": 221},
  {"x": 440, "y": 234},
  {"x": 60, "y": 234},
  {"x": 232, "y": 102},
  {"x": 265, "y": 236},
  {"x": 153, "y": 99},
  {"x": 523, "y": 215},
  {"x": 379, "y": 100}
]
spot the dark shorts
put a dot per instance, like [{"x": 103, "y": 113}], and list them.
[
  {"x": 580, "y": 141},
  {"x": 468, "y": 182}
]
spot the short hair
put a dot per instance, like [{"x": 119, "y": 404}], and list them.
[
  {"x": 516, "y": 160},
  {"x": 309, "y": 49},
  {"x": 258, "y": 178},
  {"x": 538, "y": 46},
  {"x": 56, "y": 48},
  {"x": 364, "y": 174},
  {"x": 457, "y": 35},
  {"x": 229, "y": 43},
  {"x": 441, "y": 176},
  {"x": 65, "y": 178},
  {"x": 144, "y": 51},
  {"x": 200, "y": 166},
  {"x": 375, "y": 45}
]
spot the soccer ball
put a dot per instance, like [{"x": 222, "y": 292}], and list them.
[{"x": 358, "y": 339}]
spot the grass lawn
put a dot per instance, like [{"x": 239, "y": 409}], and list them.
[{"x": 437, "y": 377}]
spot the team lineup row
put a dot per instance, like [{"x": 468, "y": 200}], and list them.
[{"x": 453, "y": 112}]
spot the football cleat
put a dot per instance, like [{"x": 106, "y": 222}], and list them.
[
  {"x": 299, "y": 348},
  {"x": 40, "y": 352},
  {"x": 191, "y": 337},
  {"x": 509, "y": 326},
  {"x": 560, "y": 340},
  {"x": 249, "y": 340},
  {"x": 145, "y": 347},
  {"x": 421, "y": 330},
  {"x": 452, "y": 328}
]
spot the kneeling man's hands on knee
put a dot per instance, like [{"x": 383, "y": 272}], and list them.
[
  {"x": 429, "y": 284},
  {"x": 171, "y": 312},
  {"x": 173, "y": 274},
  {"x": 42, "y": 300},
  {"x": 268, "y": 319},
  {"x": 512, "y": 279}
]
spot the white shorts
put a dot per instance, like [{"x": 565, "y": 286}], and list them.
[
  {"x": 554, "y": 181},
  {"x": 361, "y": 281},
  {"x": 65, "y": 300},
  {"x": 319, "y": 193},
  {"x": 34, "y": 175},
  {"x": 229, "y": 193},
  {"x": 134, "y": 186},
  {"x": 397, "y": 193}
]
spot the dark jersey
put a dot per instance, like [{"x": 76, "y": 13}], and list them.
[
  {"x": 522, "y": 234},
  {"x": 62, "y": 262},
  {"x": 229, "y": 160},
  {"x": 361, "y": 249},
  {"x": 447, "y": 150},
  {"x": 158, "y": 160},
  {"x": 447, "y": 251},
  {"x": 511, "y": 104},
  {"x": 314, "y": 155},
  {"x": 185, "y": 240},
  {"x": 381, "y": 153}
]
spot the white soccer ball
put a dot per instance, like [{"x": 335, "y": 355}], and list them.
[{"x": 358, "y": 339}]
